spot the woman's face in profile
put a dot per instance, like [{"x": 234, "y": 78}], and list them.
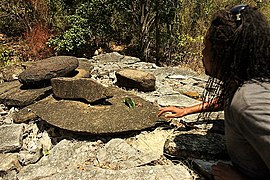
[{"x": 208, "y": 59}]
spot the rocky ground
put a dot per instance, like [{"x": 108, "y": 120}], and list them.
[{"x": 55, "y": 130}]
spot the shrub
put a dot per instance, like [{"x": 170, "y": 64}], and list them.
[{"x": 5, "y": 56}]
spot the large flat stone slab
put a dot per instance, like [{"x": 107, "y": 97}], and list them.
[
  {"x": 12, "y": 94},
  {"x": 79, "y": 88},
  {"x": 79, "y": 159},
  {"x": 42, "y": 71},
  {"x": 117, "y": 154},
  {"x": 112, "y": 117},
  {"x": 158, "y": 172},
  {"x": 10, "y": 137}
]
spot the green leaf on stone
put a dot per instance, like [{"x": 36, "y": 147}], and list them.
[
  {"x": 129, "y": 102},
  {"x": 46, "y": 152}
]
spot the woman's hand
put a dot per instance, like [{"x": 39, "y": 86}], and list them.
[{"x": 176, "y": 112}]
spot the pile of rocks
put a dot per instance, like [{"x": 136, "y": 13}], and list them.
[{"x": 66, "y": 117}]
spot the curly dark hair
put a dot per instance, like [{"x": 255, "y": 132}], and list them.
[{"x": 240, "y": 47}]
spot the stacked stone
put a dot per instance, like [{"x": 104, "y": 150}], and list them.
[{"x": 79, "y": 95}]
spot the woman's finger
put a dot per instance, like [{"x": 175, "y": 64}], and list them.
[{"x": 163, "y": 110}]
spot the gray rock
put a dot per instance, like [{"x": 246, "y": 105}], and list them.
[
  {"x": 27, "y": 158},
  {"x": 85, "y": 64},
  {"x": 109, "y": 57},
  {"x": 79, "y": 88},
  {"x": 112, "y": 117},
  {"x": 9, "y": 166},
  {"x": 9, "y": 162},
  {"x": 205, "y": 167},
  {"x": 10, "y": 137},
  {"x": 23, "y": 115},
  {"x": 66, "y": 155},
  {"x": 150, "y": 142},
  {"x": 81, "y": 73},
  {"x": 196, "y": 145},
  {"x": 135, "y": 79},
  {"x": 10, "y": 73},
  {"x": 42, "y": 71},
  {"x": 12, "y": 94},
  {"x": 72, "y": 159},
  {"x": 165, "y": 72},
  {"x": 117, "y": 154},
  {"x": 94, "y": 160},
  {"x": 176, "y": 100},
  {"x": 35, "y": 144},
  {"x": 159, "y": 172}
]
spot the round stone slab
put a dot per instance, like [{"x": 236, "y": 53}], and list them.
[
  {"x": 112, "y": 117},
  {"x": 42, "y": 71}
]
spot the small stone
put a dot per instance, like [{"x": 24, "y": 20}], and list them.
[
  {"x": 9, "y": 162},
  {"x": 10, "y": 73},
  {"x": 135, "y": 79},
  {"x": 192, "y": 94},
  {"x": 3, "y": 112},
  {"x": 46, "y": 142},
  {"x": 11, "y": 137},
  {"x": 178, "y": 76},
  {"x": 27, "y": 158}
]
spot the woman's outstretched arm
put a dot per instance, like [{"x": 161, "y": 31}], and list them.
[{"x": 176, "y": 112}]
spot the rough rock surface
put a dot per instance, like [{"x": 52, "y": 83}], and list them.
[
  {"x": 9, "y": 162},
  {"x": 79, "y": 159},
  {"x": 12, "y": 94},
  {"x": 136, "y": 79},
  {"x": 42, "y": 71},
  {"x": 112, "y": 117},
  {"x": 24, "y": 115},
  {"x": 10, "y": 73},
  {"x": 9, "y": 166},
  {"x": 79, "y": 88},
  {"x": 81, "y": 73},
  {"x": 50, "y": 152},
  {"x": 10, "y": 137},
  {"x": 117, "y": 154},
  {"x": 197, "y": 145}
]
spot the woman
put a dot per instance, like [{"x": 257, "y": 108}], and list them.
[{"x": 237, "y": 59}]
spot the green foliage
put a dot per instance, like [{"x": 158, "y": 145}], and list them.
[
  {"x": 5, "y": 56},
  {"x": 15, "y": 17},
  {"x": 91, "y": 21},
  {"x": 129, "y": 102},
  {"x": 74, "y": 38},
  {"x": 164, "y": 31}
]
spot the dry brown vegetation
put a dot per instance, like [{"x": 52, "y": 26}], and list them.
[{"x": 26, "y": 27}]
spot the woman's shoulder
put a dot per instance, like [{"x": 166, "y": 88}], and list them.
[{"x": 252, "y": 93}]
